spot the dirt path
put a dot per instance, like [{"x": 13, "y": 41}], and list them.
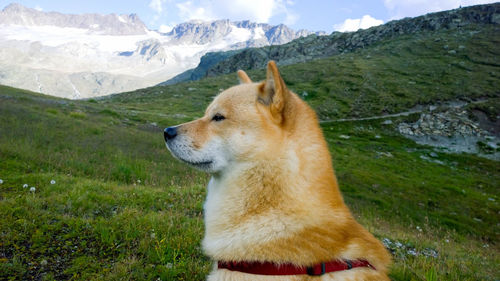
[
  {"x": 417, "y": 109},
  {"x": 405, "y": 113}
]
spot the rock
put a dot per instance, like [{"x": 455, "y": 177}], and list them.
[
  {"x": 387, "y": 122},
  {"x": 386, "y": 154},
  {"x": 492, "y": 145},
  {"x": 448, "y": 123}
]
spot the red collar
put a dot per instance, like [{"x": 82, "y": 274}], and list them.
[{"x": 269, "y": 268}]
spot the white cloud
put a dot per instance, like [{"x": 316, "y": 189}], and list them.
[
  {"x": 38, "y": 8},
  {"x": 190, "y": 11},
  {"x": 256, "y": 10},
  {"x": 366, "y": 21},
  {"x": 411, "y": 8},
  {"x": 291, "y": 18},
  {"x": 157, "y": 5}
]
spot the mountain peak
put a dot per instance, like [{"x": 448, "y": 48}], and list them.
[{"x": 14, "y": 7}]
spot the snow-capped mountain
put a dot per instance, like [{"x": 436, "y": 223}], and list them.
[
  {"x": 88, "y": 55},
  {"x": 16, "y": 14}
]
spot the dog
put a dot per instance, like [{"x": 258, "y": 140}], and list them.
[{"x": 273, "y": 209}]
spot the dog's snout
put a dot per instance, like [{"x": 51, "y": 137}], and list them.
[{"x": 170, "y": 133}]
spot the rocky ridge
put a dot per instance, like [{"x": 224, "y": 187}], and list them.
[
  {"x": 314, "y": 46},
  {"x": 112, "y": 24}
]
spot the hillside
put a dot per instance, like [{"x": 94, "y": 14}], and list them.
[
  {"x": 314, "y": 47},
  {"x": 392, "y": 76},
  {"x": 111, "y": 203}
]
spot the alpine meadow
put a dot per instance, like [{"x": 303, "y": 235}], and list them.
[{"x": 410, "y": 111}]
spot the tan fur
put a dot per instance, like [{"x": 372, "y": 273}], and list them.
[{"x": 278, "y": 199}]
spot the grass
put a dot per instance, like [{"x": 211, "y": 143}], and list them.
[{"x": 122, "y": 209}]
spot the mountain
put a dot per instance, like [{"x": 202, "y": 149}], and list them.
[
  {"x": 314, "y": 47},
  {"x": 89, "y": 55},
  {"x": 16, "y": 14}
]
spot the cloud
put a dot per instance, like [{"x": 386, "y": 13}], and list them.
[
  {"x": 189, "y": 11},
  {"x": 157, "y": 5},
  {"x": 366, "y": 21},
  {"x": 411, "y": 8},
  {"x": 256, "y": 10},
  {"x": 38, "y": 8}
]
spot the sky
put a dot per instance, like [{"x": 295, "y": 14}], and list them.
[{"x": 314, "y": 15}]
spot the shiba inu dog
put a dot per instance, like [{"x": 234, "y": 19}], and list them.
[{"x": 273, "y": 209}]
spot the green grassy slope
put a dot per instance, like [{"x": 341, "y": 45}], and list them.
[
  {"x": 122, "y": 209},
  {"x": 392, "y": 76}
]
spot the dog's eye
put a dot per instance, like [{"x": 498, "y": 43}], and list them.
[{"x": 218, "y": 117}]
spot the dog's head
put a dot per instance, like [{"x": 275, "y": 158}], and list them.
[{"x": 243, "y": 123}]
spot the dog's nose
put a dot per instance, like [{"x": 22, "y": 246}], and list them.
[{"x": 170, "y": 133}]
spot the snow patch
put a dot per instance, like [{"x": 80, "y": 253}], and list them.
[
  {"x": 77, "y": 93},
  {"x": 54, "y": 36},
  {"x": 120, "y": 18},
  {"x": 259, "y": 33}
]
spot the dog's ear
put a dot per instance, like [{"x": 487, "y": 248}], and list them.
[
  {"x": 274, "y": 93},
  {"x": 243, "y": 77}
]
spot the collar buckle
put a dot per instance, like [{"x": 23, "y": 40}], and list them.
[{"x": 311, "y": 271}]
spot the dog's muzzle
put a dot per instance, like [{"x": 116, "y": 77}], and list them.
[{"x": 170, "y": 133}]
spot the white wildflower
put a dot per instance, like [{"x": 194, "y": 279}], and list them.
[
  {"x": 138, "y": 181},
  {"x": 52, "y": 182},
  {"x": 25, "y": 185},
  {"x": 32, "y": 189},
  {"x": 344, "y": 137},
  {"x": 1, "y": 181},
  {"x": 419, "y": 229}
]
